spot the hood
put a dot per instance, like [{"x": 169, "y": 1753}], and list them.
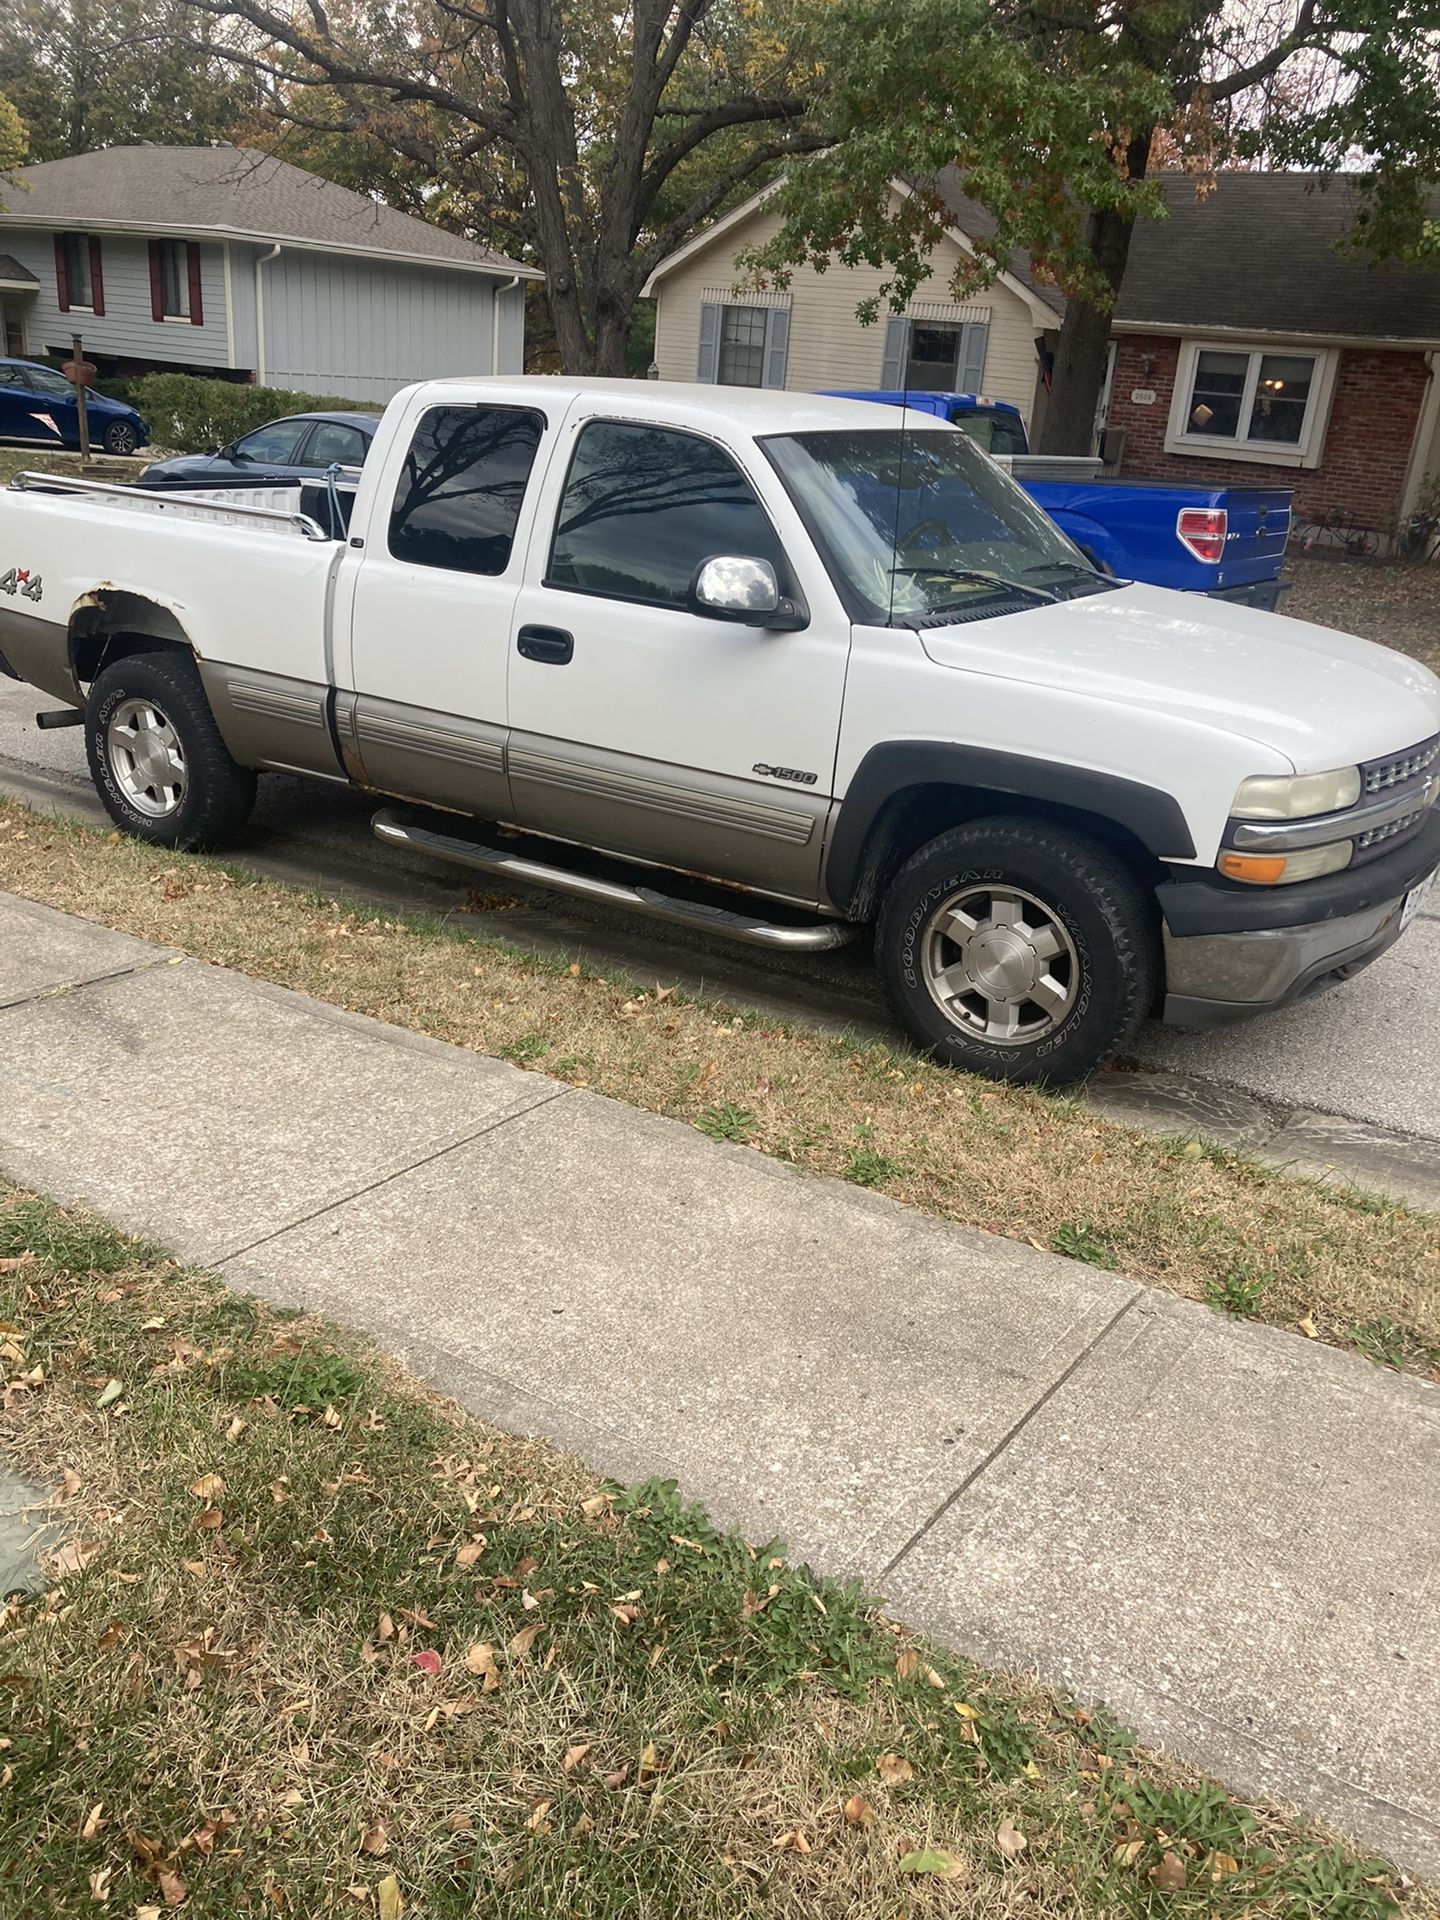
[
  {"x": 1320, "y": 697},
  {"x": 102, "y": 403},
  {"x": 182, "y": 466}
]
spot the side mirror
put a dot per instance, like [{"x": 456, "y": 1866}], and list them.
[{"x": 732, "y": 586}]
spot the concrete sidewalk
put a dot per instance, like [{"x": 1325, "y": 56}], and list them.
[{"x": 1227, "y": 1533}]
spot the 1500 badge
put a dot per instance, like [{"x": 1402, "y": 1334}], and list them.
[
  {"x": 783, "y": 773},
  {"x": 20, "y": 580}
]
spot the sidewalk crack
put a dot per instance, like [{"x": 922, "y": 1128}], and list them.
[
  {"x": 384, "y": 1179},
  {"x": 1010, "y": 1435},
  {"x": 59, "y": 989}
]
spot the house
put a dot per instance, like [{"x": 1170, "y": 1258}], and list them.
[
  {"x": 709, "y": 325},
  {"x": 1248, "y": 348},
  {"x": 224, "y": 261},
  {"x": 1244, "y": 344}
]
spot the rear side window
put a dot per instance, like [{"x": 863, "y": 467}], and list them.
[
  {"x": 643, "y": 506},
  {"x": 460, "y": 489}
]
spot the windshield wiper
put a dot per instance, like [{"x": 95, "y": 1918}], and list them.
[
  {"x": 986, "y": 579},
  {"x": 1069, "y": 566}
]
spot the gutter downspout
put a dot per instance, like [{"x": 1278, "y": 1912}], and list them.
[
  {"x": 509, "y": 287},
  {"x": 262, "y": 259}
]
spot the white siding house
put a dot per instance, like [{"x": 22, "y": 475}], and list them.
[
  {"x": 711, "y": 324},
  {"x": 220, "y": 260}
]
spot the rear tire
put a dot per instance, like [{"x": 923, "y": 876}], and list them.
[
  {"x": 156, "y": 756},
  {"x": 1018, "y": 950}
]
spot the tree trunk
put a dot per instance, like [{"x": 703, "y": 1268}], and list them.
[{"x": 1078, "y": 377}]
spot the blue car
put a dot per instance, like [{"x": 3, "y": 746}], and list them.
[
  {"x": 37, "y": 404},
  {"x": 302, "y": 446}
]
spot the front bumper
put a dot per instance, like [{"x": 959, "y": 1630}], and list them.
[{"x": 1234, "y": 952}]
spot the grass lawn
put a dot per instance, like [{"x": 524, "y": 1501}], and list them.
[
  {"x": 318, "y": 1644},
  {"x": 103, "y": 466},
  {"x": 1200, "y": 1222}
]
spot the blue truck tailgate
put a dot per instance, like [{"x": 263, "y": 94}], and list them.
[{"x": 1198, "y": 539}]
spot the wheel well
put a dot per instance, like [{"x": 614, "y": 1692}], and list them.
[
  {"x": 111, "y": 623},
  {"x": 914, "y": 816}
]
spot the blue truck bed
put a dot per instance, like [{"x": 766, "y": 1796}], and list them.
[{"x": 1224, "y": 541}]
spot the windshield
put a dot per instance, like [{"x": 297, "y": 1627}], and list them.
[{"x": 916, "y": 522}]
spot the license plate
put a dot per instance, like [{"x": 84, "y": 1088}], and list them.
[{"x": 1414, "y": 900}]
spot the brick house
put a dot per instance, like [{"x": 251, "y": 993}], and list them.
[{"x": 1246, "y": 348}]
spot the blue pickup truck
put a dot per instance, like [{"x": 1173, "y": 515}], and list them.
[{"x": 1228, "y": 542}]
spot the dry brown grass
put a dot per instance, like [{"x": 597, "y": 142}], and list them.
[
  {"x": 1199, "y": 1222},
  {"x": 224, "y": 1705}
]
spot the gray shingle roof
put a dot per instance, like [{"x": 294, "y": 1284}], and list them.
[
  {"x": 978, "y": 223},
  {"x": 227, "y": 190},
  {"x": 1258, "y": 255},
  {"x": 11, "y": 272}
]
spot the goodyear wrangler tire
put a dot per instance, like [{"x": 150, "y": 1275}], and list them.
[
  {"x": 1018, "y": 950},
  {"x": 156, "y": 756}
]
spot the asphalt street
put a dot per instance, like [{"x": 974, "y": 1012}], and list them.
[{"x": 1368, "y": 1051}]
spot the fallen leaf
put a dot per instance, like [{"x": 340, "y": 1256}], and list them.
[
  {"x": 524, "y": 1640},
  {"x": 208, "y": 1487},
  {"x": 111, "y": 1637},
  {"x": 93, "y": 1822},
  {"x": 597, "y": 1504},
  {"x": 209, "y": 1520},
  {"x": 536, "y": 1818},
  {"x": 618, "y": 1777},
  {"x": 376, "y": 1839},
  {"x": 1308, "y": 1327},
  {"x": 907, "y": 1662},
  {"x": 1222, "y": 1866},
  {"x": 938, "y": 1861},
  {"x": 573, "y": 1756},
  {"x": 859, "y": 1812},
  {"x": 109, "y": 1394},
  {"x": 1170, "y": 1876},
  {"x": 470, "y": 1552},
  {"x": 236, "y": 1427},
  {"x": 173, "y": 1889},
  {"x": 387, "y": 1898},
  {"x": 330, "y": 1418},
  {"x": 460, "y": 1823},
  {"x": 100, "y": 1884},
  {"x": 480, "y": 1659},
  {"x": 427, "y": 1660},
  {"x": 894, "y": 1769},
  {"x": 793, "y": 1842},
  {"x": 1128, "y": 1852},
  {"x": 68, "y": 1487},
  {"x": 965, "y": 1710},
  {"x": 385, "y": 1630},
  {"x": 75, "y": 1557},
  {"x": 1009, "y": 1839}
]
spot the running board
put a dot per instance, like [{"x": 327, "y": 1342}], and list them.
[{"x": 818, "y": 938}]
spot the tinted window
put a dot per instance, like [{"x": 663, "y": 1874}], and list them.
[
  {"x": 995, "y": 432},
  {"x": 644, "y": 506},
  {"x": 43, "y": 381},
  {"x": 275, "y": 444},
  {"x": 12, "y": 377},
  {"x": 331, "y": 441},
  {"x": 461, "y": 487}
]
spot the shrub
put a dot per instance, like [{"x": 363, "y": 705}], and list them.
[{"x": 194, "y": 416}]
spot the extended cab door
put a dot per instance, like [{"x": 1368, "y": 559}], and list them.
[
  {"x": 646, "y": 729},
  {"x": 433, "y": 599}
]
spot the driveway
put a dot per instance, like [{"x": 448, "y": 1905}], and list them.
[{"x": 1368, "y": 1052}]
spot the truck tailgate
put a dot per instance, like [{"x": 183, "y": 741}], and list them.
[{"x": 1134, "y": 527}]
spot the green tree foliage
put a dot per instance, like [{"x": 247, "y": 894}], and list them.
[
  {"x": 593, "y": 139},
  {"x": 97, "y": 73},
  {"x": 13, "y": 143},
  {"x": 1051, "y": 109}
]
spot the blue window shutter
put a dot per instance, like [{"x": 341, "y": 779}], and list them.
[
  {"x": 970, "y": 362},
  {"x": 708, "y": 368},
  {"x": 777, "y": 342},
  {"x": 897, "y": 338}
]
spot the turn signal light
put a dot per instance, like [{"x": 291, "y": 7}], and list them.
[
  {"x": 1284, "y": 869},
  {"x": 1202, "y": 530},
  {"x": 1260, "y": 869}
]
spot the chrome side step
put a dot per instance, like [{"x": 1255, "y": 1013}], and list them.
[{"x": 818, "y": 938}]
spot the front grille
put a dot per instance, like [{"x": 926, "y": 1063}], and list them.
[
  {"x": 1381, "y": 775},
  {"x": 1394, "y": 830}
]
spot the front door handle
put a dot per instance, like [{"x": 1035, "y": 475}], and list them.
[{"x": 551, "y": 646}]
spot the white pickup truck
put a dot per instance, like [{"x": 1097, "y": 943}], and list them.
[{"x": 828, "y": 657}]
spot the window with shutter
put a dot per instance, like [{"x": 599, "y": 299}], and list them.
[{"x": 707, "y": 366}]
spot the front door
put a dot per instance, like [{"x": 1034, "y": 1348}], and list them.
[
  {"x": 433, "y": 600},
  {"x": 641, "y": 727}
]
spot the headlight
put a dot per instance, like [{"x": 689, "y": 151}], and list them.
[
  {"x": 1296, "y": 796},
  {"x": 1284, "y": 869}
]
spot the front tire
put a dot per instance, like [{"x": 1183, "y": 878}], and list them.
[
  {"x": 1018, "y": 950},
  {"x": 121, "y": 437},
  {"x": 156, "y": 756}
]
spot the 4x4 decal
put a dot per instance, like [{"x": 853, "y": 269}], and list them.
[{"x": 20, "y": 580}]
